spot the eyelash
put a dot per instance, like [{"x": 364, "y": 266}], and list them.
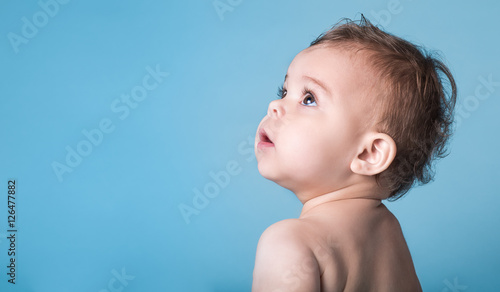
[
  {"x": 280, "y": 92},
  {"x": 305, "y": 92}
]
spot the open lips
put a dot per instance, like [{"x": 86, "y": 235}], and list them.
[{"x": 265, "y": 141}]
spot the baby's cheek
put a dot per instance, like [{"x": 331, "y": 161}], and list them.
[
  {"x": 300, "y": 147},
  {"x": 304, "y": 153}
]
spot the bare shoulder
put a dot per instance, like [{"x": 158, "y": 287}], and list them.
[
  {"x": 282, "y": 257},
  {"x": 288, "y": 230},
  {"x": 360, "y": 247},
  {"x": 283, "y": 237}
]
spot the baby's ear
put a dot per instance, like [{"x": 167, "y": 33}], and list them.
[{"x": 375, "y": 154}]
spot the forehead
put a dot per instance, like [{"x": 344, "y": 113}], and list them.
[
  {"x": 346, "y": 74},
  {"x": 344, "y": 69},
  {"x": 331, "y": 65}
]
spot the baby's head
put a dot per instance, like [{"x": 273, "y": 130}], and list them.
[{"x": 360, "y": 110}]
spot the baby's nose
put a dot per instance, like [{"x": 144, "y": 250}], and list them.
[{"x": 276, "y": 109}]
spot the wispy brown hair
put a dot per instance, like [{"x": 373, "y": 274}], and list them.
[{"x": 416, "y": 105}]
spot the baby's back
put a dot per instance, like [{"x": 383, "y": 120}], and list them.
[
  {"x": 347, "y": 245},
  {"x": 359, "y": 246}
]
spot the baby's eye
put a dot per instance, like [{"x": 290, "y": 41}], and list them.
[
  {"x": 309, "y": 99},
  {"x": 281, "y": 92}
]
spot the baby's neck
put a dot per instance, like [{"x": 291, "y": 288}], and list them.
[{"x": 355, "y": 193}]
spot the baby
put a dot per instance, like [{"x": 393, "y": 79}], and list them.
[{"x": 362, "y": 115}]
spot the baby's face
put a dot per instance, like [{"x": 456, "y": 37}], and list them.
[{"x": 315, "y": 129}]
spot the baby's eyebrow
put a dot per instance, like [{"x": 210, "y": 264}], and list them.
[{"x": 319, "y": 83}]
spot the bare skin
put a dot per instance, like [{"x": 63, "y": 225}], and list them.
[
  {"x": 337, "y": 245},
  {"x": 319, "y": 142}
]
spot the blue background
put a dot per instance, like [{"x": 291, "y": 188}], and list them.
[{"x": 119, "y": 208}]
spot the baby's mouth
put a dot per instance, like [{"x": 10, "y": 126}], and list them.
[{"x": 265, "y": 141}]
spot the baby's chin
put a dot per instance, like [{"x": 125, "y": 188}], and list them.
[
  {"x": 268, "y": 172},
  {"x": 265, "y": 171},
  {"x": 275, "y": 176}
]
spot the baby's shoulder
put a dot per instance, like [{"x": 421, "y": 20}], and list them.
[
  {"x": 282, "y": 256},
  {"x": 288, "y": 232},
  {"x": 288, "y": 241}
]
